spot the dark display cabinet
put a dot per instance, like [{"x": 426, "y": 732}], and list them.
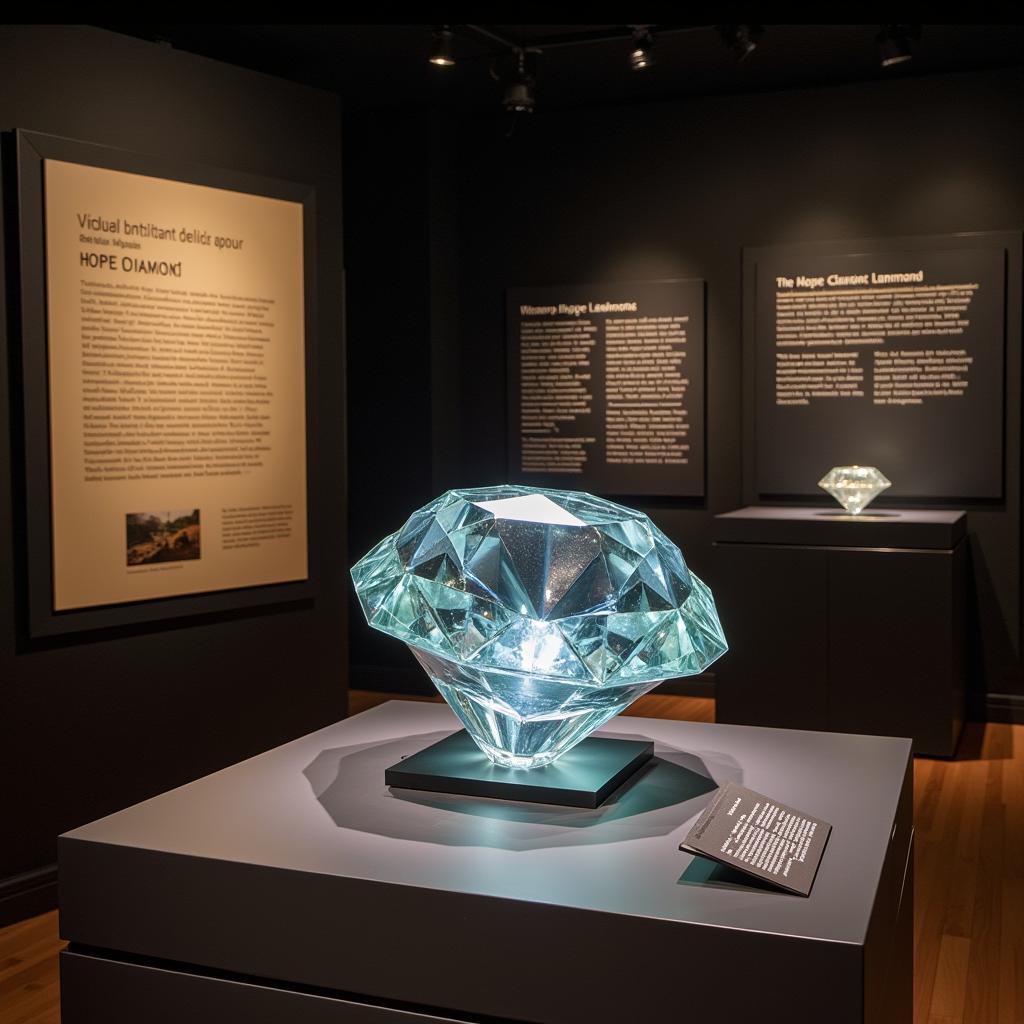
[{"x": 847, "y": 623}]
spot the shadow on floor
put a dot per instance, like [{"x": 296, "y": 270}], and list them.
[{"x": 985, "y": 741}]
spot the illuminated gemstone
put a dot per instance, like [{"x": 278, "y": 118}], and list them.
[
  {"x": 854, "y": 487},
  {"x": 538, "y": 614}
]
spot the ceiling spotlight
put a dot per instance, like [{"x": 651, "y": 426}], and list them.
[
  {"x": 441, "y": 52},
  {"x": 741, "y": 39},
  {"x": 641, "y": 55},
  {"x": 519, "y": 96},
  {"x": 896, "y": 44}
]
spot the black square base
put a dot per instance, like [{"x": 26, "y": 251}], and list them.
[{"x": 584, "y": 777}]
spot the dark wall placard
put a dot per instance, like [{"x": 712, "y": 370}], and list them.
[
  {"x": 606, "y": 387},
  {"x": 881, "y": 354}
]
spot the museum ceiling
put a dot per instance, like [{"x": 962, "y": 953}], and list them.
[{"x": 579, "y": 65}]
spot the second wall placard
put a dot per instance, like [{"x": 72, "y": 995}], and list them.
[{"x": 606, "y": 387}]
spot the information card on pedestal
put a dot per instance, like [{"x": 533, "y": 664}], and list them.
[
  {"x": 885, "y": 354},
  {"x": 606, "y": 387},
  {"x": 759, "y": 836}
]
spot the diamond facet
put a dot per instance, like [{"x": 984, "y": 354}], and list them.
[
  {"x": 538, "y": 614},
  {"x": 854, "y": 487}
]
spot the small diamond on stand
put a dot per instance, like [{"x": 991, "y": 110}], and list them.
[{"x": 854, "y": 487}]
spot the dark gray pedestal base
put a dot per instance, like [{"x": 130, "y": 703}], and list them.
[
  {"x": 584, "y": 777},
  {"x": 297, "y": 887},
  {"x": 99, "y": 988}
]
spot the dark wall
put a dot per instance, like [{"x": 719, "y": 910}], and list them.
[
  {"x": 404, "y": 371},
  {"x": 676, "y": 189},
  {"x": 98, "y": 722},
  {"x": 387, "y": 225}
]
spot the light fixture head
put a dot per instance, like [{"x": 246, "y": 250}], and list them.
[
  {"x": 896, "y": 44},
  {"x": 519, "y": 96},
  {"x": 441, "y": 52},
  {"x": 641, "y": 54},
  {"x": 741, "y": 39}
]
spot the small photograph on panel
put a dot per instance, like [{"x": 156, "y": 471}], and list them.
[{"x": 162, "y": 536}]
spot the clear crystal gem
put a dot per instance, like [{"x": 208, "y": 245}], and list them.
[
  {"x": 854, "y": 487},
  {"x": 538, "y": 614}
]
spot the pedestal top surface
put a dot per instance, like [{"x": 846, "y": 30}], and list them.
[
  {"x": 833, "y": 513},
  {"x": 924, "y": 528},
  {"x": 319, "y": 805}
]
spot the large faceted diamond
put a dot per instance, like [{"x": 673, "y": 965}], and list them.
[
  {"x": 854, "y": 487},
  {"x": 538, "y": 614}
]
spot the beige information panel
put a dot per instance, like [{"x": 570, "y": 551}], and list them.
[{"x": 177, "y": 387}]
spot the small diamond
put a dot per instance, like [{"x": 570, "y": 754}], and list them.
[
  {"x": 854, "y": 487},
  {"x": 538, "y": 614}
]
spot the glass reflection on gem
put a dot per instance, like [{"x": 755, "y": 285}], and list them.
[
  {"x": 538, "y": 614},
  {"x": 854, "y": 487}
]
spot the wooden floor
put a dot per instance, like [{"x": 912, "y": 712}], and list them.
[
  {"x": 968, "y": 896},
  {"x": 28, "y": 971}
]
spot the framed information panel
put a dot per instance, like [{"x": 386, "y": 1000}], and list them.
[
  {"x": 606, "y": 387},
  {"x": 880, "y": 353},
  {"x": 166, "y": 354}
]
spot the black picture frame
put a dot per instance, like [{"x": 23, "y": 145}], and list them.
[
  {"x": 28, "y": 150},
  {"x": 1005, "y": 400}
]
